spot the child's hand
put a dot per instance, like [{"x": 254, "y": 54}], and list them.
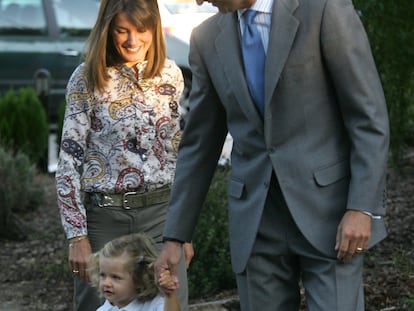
[{"x": 165, "y": 279}]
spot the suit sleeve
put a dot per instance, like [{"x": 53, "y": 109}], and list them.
[
  {"x": 350, "y": 63},
  {"x": 200, "y": 148}
]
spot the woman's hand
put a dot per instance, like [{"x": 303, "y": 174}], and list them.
[{"x": 79, "y": 252}]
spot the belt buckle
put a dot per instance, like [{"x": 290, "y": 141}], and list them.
[
  {"x": 103, "y": 200},
  {"x": 125, "y": 199}
]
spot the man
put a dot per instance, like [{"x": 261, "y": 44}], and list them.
[{"x": 307, "y": 185}]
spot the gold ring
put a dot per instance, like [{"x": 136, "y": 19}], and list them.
[
  {"x": 359, "y": 249},
  {"x": 75, "y": 271}
]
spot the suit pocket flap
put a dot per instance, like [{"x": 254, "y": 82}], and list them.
[
  {"x": 331, "y": 174},
  {"x": 235, "y": 188}
]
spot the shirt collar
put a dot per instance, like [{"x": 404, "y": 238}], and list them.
[
  {"x": 133, "y": 305},
  {"x": 263, "y": 6},
  {"x": 131, "y": 73}
]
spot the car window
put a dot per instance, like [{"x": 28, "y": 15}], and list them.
[
  {"x": 76, "y": 17},
  {"x": 22, "y": 17}
]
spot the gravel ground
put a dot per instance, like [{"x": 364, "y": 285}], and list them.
[{"x": 34, "y": 273}]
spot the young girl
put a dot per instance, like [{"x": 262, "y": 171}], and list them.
[{"x": 124, "y": 274}]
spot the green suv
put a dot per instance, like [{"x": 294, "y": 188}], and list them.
[{"x": 41, "y": 42}]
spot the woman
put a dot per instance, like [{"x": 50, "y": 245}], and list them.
[{"x": 119, "y": 138}]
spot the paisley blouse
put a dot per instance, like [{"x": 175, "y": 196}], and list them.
[{"x": 122, "y": 139}]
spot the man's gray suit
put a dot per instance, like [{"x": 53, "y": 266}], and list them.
[{"x": 324, "y": 133}]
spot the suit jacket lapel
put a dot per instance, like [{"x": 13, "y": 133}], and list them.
[
  {"x": 282, "y": 33},
  {"x": 228, "y": 51}
]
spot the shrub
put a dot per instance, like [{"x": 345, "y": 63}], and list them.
[
  {"x": 410, "y": 302},
  {"x": 23, "y": 124},
  {"x": 210, "y": 270},
  {"x": 18, "y": 193}
]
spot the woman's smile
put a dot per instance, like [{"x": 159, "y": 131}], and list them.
[{"x": 131, "y": 43}]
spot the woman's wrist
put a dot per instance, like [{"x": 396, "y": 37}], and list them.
[{"x": 77, "y": 239}]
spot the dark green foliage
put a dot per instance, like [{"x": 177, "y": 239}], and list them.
[
  {"x": 410, "y": 302},
  {"x": 23, "y": 124},
  {"x": 390, "y": 28},
  {"x": 18, "y": 193},
  {"x": 210, "y": 271}
]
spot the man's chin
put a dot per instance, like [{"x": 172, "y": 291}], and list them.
[{"x": 227, "y": 6}]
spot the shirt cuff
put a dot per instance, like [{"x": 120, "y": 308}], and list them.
[
  {"x": 165, "y": 239},
  {"x": 372, "y": 215}
]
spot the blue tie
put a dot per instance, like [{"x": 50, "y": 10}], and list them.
[{"x": 254, "y": 59}]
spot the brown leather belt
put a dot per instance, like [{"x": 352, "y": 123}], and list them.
[{"x": 129, "y": 200}]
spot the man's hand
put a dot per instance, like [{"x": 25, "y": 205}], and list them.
[
  {"x": 354, "y": 232},
  {"x": 168, "y": 260}
]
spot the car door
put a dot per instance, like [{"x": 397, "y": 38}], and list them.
[
  {"x": 24, "y": 42},
  {"x": 40, "y": 38}
]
